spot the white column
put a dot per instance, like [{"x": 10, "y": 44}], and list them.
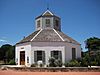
[
  {"x": 47, "y": 55},
  {"x": 63, "y": 55},
  {"x": 18, "y": 53}
]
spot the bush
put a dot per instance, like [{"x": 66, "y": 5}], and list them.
[
  {"x": 84, "y": 62},
  {"x": 94, "y": 63},
  {"x": 55, "y": 62},
  {"x": 66, "y": 64},
  {"x": 12, "y": 62},
  {"x": 52, "y": 62},
  {"x": 41, "y": 65},
  {"x": 72, "y": 63},
  {"x": 58, "y": 63},
  {"x": 34, "y": 65}
]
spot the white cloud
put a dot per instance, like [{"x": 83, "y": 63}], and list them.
[{"x": 1, "y": 40}]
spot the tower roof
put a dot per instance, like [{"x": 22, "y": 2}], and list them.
[{"x": 47, "y": 13}]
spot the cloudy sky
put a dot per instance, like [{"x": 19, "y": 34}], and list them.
[{"x": 80, "y": 18}]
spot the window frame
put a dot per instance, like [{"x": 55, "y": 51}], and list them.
[
  {"x": 73, "y": 53},
  {"x": 47, "y": 22},
  {"x": 57, "y": 55},
  {"x": 38, "y": 23}
]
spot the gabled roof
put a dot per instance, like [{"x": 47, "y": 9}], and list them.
[
  {"x": 47, "y": 13},
  {"x": 48, "y": 35}
]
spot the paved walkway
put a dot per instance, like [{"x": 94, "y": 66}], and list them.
[{"x": 11, "y": 72}]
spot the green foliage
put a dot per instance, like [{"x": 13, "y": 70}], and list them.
[
  {"x": 93, "y": 43},
  {"x": 41, "y": 65},
  {"x": 58, "y": 63},
  {"x": 94, "y": 63},
  {"x": 73, "y": 63},
  {"x": 34, "y": 65},
  {"x": 93, "y": 46},
  {"x": 52, "y": 62},
  {"x": 84, "y": 62},
  {"x": 94, "y": 59},
  {"x": 98, "y": 58},
  {"x": 66, "y": 64},
  {"x": 85, "y": 59},
  {"x": 12, "y": 62},
  {"x": 55, "y": 62},
  {"x": 7, "y": 52}
]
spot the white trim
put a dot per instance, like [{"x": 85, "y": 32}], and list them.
[
  {"x": 36, "y": 35},
  {"x": 59, "y": 35},
  {"x": 46, "y": 12}
]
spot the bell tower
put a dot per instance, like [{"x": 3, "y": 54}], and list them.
[{"x": 48, "y": 21}]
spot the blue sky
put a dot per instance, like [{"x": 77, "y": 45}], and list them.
[{"x": 80, "y": 19}]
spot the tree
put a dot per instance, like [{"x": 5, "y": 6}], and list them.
[
  {"x": 10, "y": 53},
  {"x": 93, "y": 46},
  {"x": 93, "y": 43},
  {"x": 7, "y": 52},
  {"x": 85, "y": 59},
  {"x": 1, "y": 54}
]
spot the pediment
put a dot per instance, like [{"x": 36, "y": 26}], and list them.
[{"x": 47, "y": 13}]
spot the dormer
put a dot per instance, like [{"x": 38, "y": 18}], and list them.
[{"x": 48, "y": 21}]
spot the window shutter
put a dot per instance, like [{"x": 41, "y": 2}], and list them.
[
  {"x": 52, "y": 54},
  {"x": 35, "y": 56},
  {"x": 73, "y": 53},
  {"x": 60, "y": 55},
  {"x": 43, "y": 56}
]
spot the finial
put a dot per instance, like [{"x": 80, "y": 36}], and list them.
[{"x": 23, "y": 37}]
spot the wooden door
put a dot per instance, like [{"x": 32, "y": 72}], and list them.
[{"x": 22, "y": 57}]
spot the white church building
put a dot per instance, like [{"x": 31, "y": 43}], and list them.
[{"x": 47, "y": 41}]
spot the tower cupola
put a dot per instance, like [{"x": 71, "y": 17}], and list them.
[{"x": 48, "y": 21}]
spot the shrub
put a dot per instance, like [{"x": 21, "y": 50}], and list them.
[
  {"x": 84, "y": 62},
  {"x": 72, "y": 63},
  {"x": 52, "y": 62},
  {"x": 34, "y": 65},
  {"x": 12, "y": 62},
  {"x": 66, "y": 64},
  {"x": 55, "y": 62},
  {"x": 47, "y": 65},
  {"x": 94, "y": 63},
  {"x": 41, "y": 65},
  {"x": 58, "y": 63}
]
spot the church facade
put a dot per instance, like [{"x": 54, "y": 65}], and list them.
[{"x": 47, "y": 41}]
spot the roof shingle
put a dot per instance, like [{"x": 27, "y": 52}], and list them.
[{"x": 48, "y": 35}]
